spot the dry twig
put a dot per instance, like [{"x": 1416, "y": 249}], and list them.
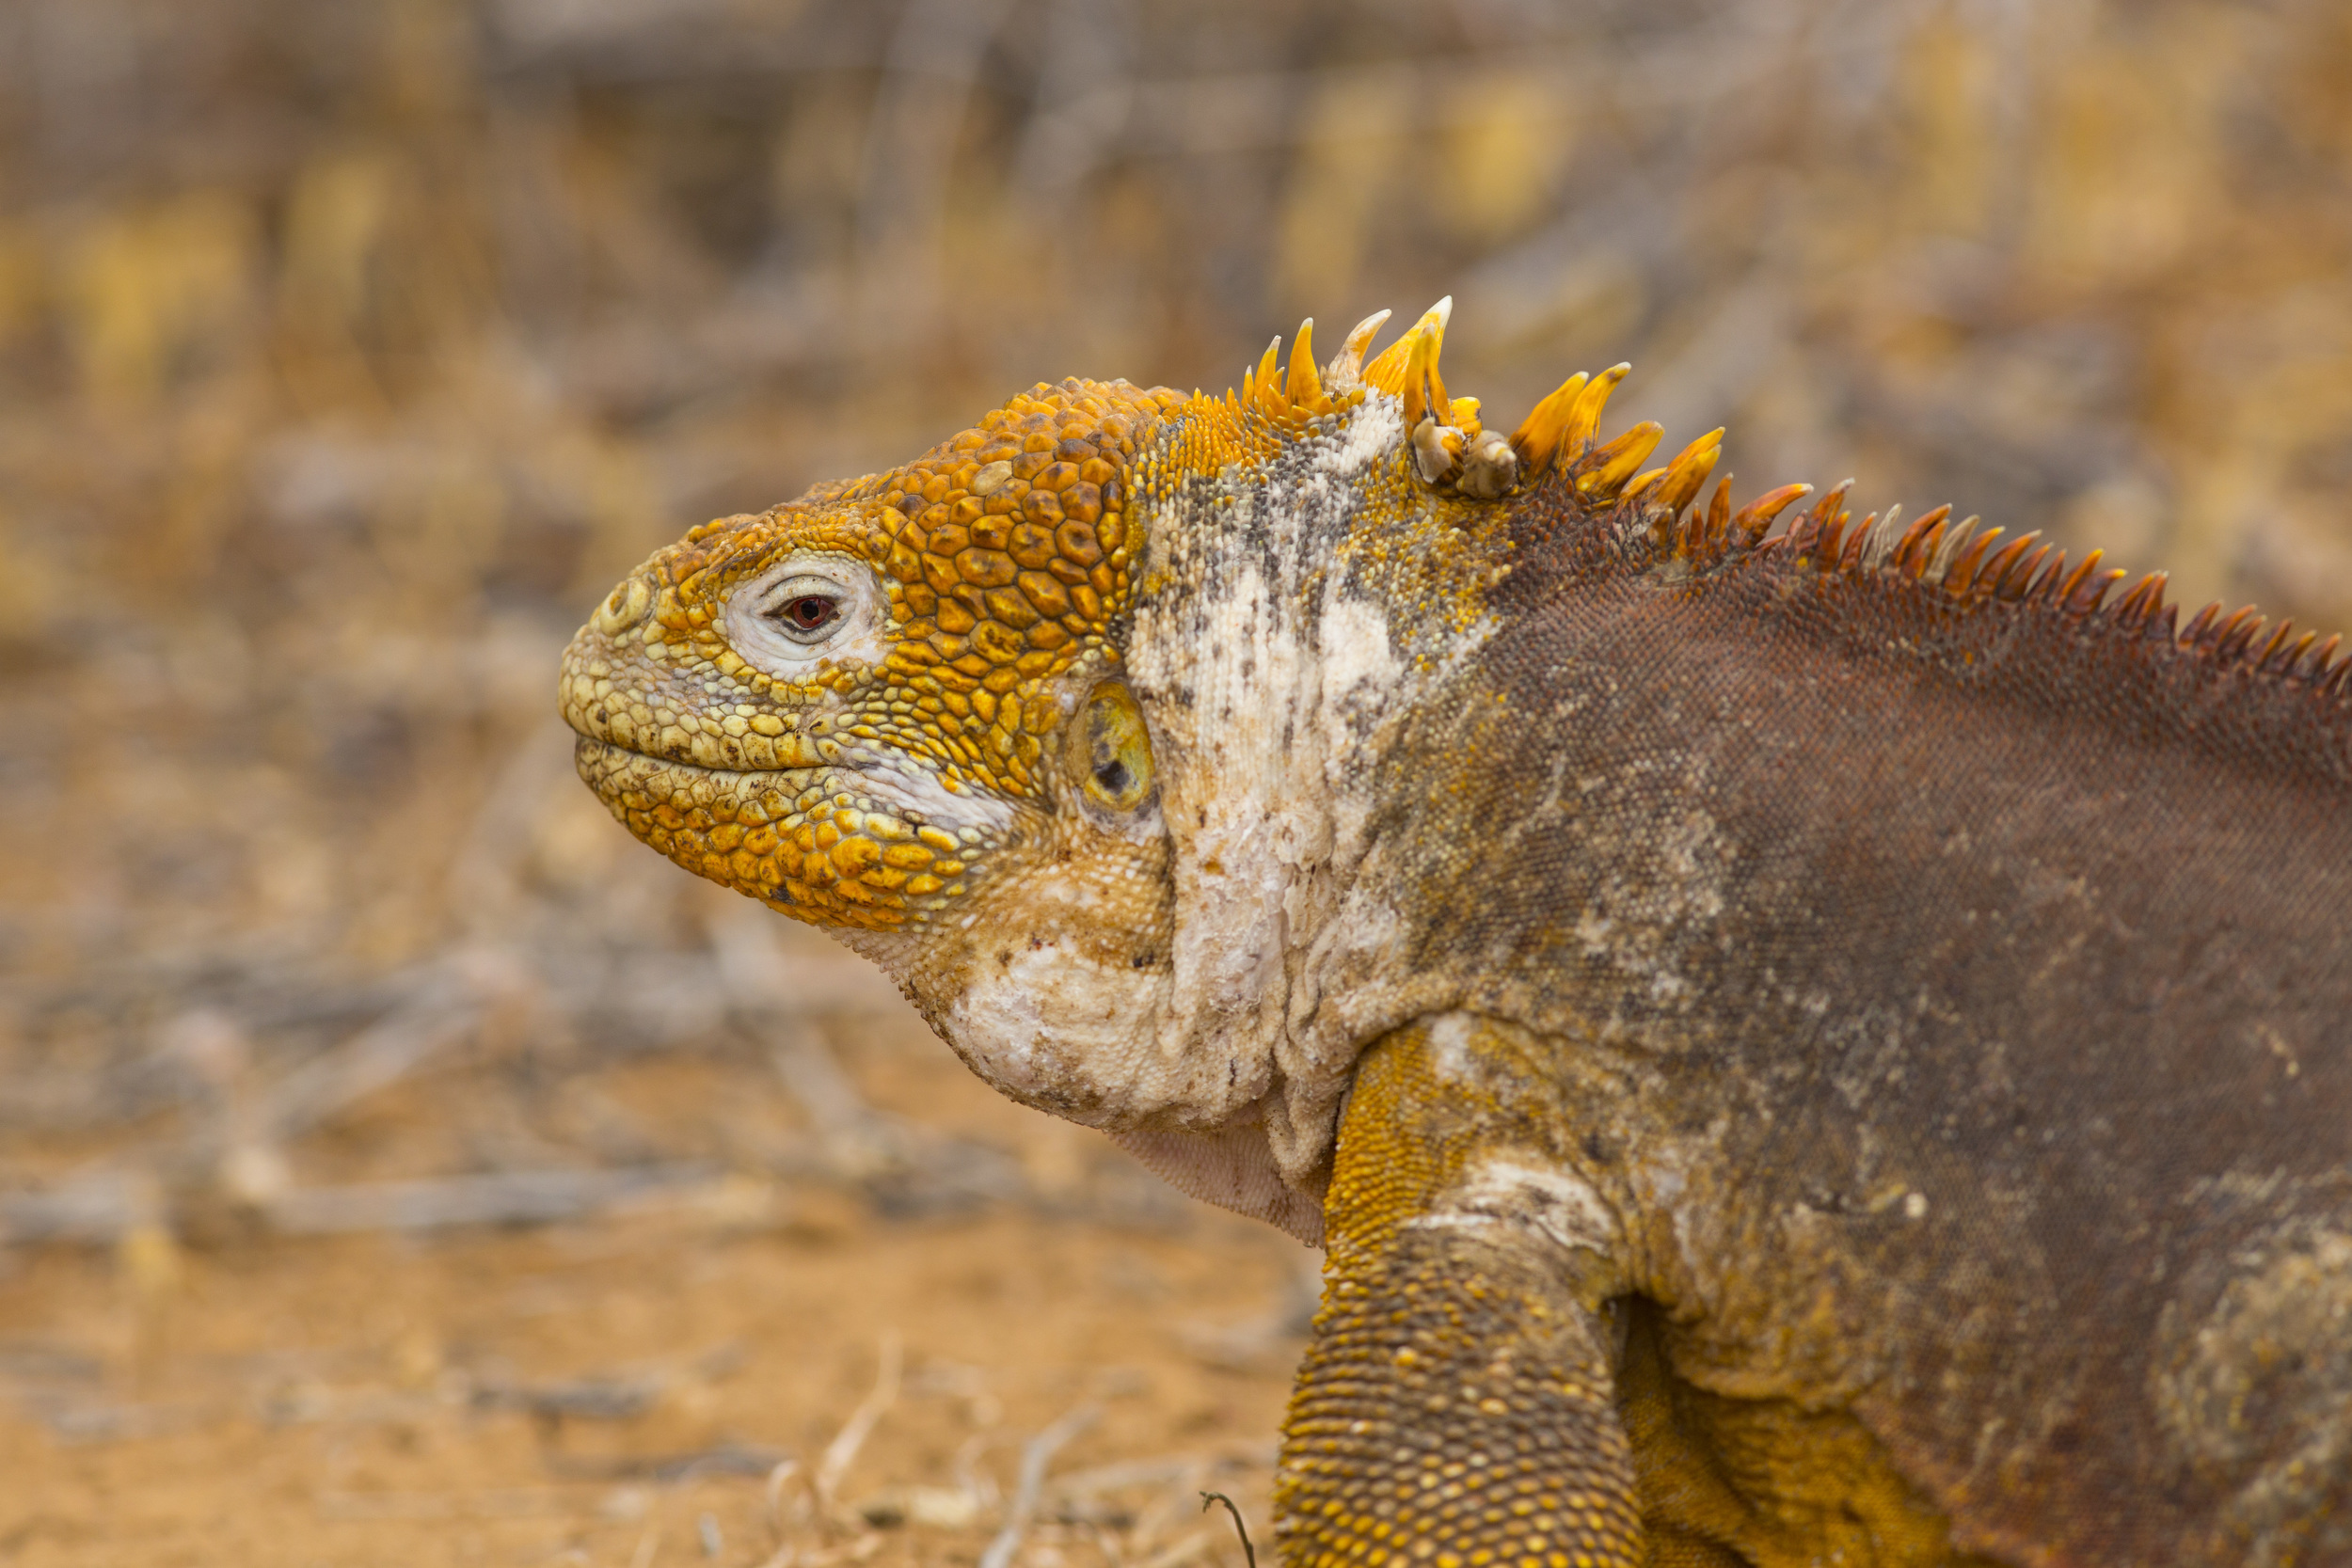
[
  {"x": 1034, "y": 1458},
  {"x": 842, "y": 1452},
  {"x": 1208, "y": 1500}
]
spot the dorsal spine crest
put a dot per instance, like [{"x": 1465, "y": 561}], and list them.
[{"x": 1653, "y": 513}]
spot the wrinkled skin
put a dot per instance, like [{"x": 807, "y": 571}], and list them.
[{"x": 1827, "y": 1049}]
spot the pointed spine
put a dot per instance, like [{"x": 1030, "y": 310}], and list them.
[
  {"x": 1870, "y": 546},
  {"x": 2087, "y": 587},
  {"x": 1537, "y": 438},
  {"x": 1837, "y": 536},
  {"x": 1754, "y": 520},
  {"x": 2017, "y": 583},
  {"x": 1950, "y": 540},
  {"x": 1687, "y": 474},
  {"x": 1392, "y": 371},
  {"x": 1345, "y": 373},
  {"x": 1911, "y": 552},
  {"x": 1806, "y": 533},
  {"x": 2141, "y": 605},
  {"x": 1605, "y": 473},
  {"x": 1997, "y": 571},
  {"x": 1303, "y": 389},
  {"x": 1584, "y": 421},
  {"x": 1959, "y": 577},
  {"x": 2278, "y": 656},
  {"x": 2236, "y": 634},
  {"x": 1264, "y": 379}
]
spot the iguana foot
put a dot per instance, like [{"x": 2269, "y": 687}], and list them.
[
  {"x": 1454, "y": 1411},
  {"x": 1455, "y": 1406}
]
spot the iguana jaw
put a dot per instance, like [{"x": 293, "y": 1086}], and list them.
[{"x": 1045, "y": 962}]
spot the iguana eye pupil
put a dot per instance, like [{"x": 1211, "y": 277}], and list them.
[
  {"x": 1113, "y": 777},
  {"x": 810, "y": 612}
]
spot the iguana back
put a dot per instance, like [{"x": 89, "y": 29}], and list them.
[{"x": 1986, "y": 951}]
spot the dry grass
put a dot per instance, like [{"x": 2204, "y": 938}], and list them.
[{"x": 396, "y": 1165}]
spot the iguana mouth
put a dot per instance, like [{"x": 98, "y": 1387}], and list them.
[
  {"x": 857, "y": 779},
  {"x": 836, "y": 842}
]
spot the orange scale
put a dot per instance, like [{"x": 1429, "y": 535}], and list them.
[
  {"x": 1031, "y": 545},
  {"x": 1045, "y": 596},
  {"x": 986, "y": 568},
  {"x": 997, "y": 643},
  {"x": 1011, "y": 607}
]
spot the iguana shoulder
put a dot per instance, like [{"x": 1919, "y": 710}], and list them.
[{"x": 1819, "y": 1041}]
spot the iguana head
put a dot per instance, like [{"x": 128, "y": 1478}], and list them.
[
  {"x": 1072, "y": 724},
  {"x": 896, "y": 707}
]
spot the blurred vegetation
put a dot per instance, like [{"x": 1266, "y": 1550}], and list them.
[{"x": 347, "y": 351}]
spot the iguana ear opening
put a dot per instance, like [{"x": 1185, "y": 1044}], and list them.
[{"x": 1110, "y": 751}]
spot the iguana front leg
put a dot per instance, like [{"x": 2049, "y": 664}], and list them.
[{"x": 1455, "y": 1405}]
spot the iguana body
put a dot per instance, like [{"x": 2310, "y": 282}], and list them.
[{"x": 1826, "y": 1048}]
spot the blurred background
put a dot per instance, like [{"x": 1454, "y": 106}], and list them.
[{"x": 399, "y": 1165}]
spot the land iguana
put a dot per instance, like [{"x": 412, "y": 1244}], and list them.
[{"x": 1819, "y": 1043}]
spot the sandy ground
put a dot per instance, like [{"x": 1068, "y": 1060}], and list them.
[{"x": 663, "y": 1383}]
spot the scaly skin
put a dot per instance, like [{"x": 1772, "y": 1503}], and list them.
[{"x": 1827, "y": 1048}]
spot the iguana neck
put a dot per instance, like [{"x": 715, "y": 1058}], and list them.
[{"x": 1293, "y": 619}]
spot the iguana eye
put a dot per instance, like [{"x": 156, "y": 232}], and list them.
[
  {"x": 806, "y": 615},
  {"x": 1111, "y": 751},
  {"x": 809, "y": 607}
]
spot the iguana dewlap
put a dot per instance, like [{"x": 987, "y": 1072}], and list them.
[{"x": 1819, "y": 1049}]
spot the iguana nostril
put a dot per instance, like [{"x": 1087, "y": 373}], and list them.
[{"x": 624, "y": 607}]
